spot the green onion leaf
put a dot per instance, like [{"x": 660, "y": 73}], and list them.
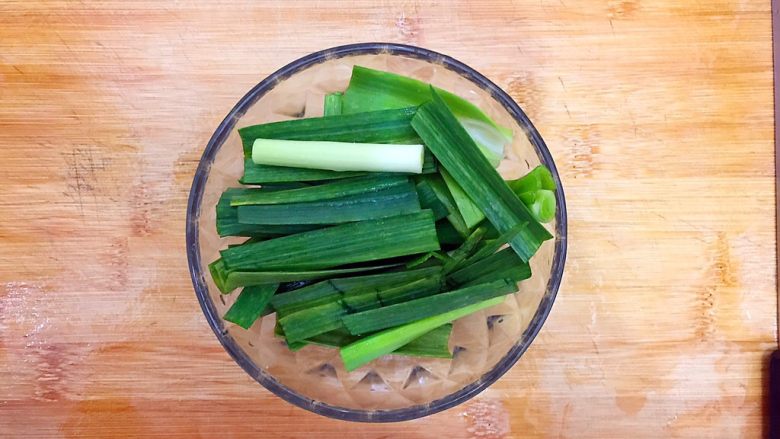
[
  {"x": 263, "y": 174},
  {"x": 396, "y": 200},
  {"x": 228, "y": 225},
  {"x": 502, "y": 265},
  {"x": 388, "y": 126},
  {"x": 250, "y": 305},
  {"x": 412, "y": 310},
  {"x": 328, "y": 191},
  {"x": 538, "y": 178},
  {"x": 488, "y": 248},
  {"x": 541, "y": 203},
  {"x": 374, "y": 346},
  {"x": 447, "y": 234},
  {"x": 333, "y": 104},
  {"x": 432, "y": 344},
  {"x": 361, "y": 241},
  {"x": 457, "y": 152},
  {"x": 435, "y": 184},
  {"x": 461, "y": 253},
  {"x": 309, "y": 322},
  {"x": 334, "y": 289},
  {"x": 429, "y": 200},
  {"x": 230, "y": 280},
  {"x": 468, "y": 210},
  {"x": 413, "y": 290},
  {"x": 377, "y": 90}
]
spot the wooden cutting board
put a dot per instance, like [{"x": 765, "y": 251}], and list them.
[{"x": 659, "y": 116}]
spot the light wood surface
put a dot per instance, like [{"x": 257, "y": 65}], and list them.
[{"x": 658, "y": 113}]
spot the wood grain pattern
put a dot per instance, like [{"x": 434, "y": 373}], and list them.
[{"x": 658, "y": 113}]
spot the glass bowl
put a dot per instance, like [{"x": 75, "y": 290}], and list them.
[{"x": 391, "y": 388}]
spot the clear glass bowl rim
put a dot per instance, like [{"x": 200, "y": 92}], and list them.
[{"x": 215, "y": 321}]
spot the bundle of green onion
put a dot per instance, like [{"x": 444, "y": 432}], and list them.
[{"x": 373, "y": 228}]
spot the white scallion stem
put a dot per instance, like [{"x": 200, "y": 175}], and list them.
[{"x": 338, "y": 156}]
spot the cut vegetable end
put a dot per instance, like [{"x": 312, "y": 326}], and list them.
[
  {"x": 250, "y": 305},
  {"x": 310, "y": 322},
  {"x": 541, "y": 203},
  {"x": 332, "y": 105},
  {"x": 339, "y": 156},
  {"x": 219, "y": 275},
  {"x": 374, "y": 346},
  {"x": 538, "y": 178}
]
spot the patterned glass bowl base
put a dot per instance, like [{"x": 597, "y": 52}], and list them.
[{"x": 392, "y": 388}]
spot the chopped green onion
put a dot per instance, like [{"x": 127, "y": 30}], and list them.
[
  {"x": 333, "y": 289},
  {"x": 447, "y": 234},
  {"x": 468, "y": 210},
  {"x": 502, "y": 265},
  {"x": 388, "y": 316},
  {"x": 422, "y": 259},
  {"x": 328, "y": 191},
  {"x": 336, "y": 338},
  {"x": 333, "y": 104},
  {"x": 492, "y": 246},
  {"x": 457, "y": 152},
  {"x": 250, "y": 305},
  {"x": 387, "y": 126},
  {"x": 338, "y": 156},
  {"x": 435, "y": 184},
  {"x": 361, "y": 241},
  {"x": 432, "y": 344},
  {"x": 429, "y": 200},
  {"x": 361, "y": 302},
  {"x": 413, "y": 290},
  {"x": 397, "y": 200},
  {"x": 219, "y": 274},
  {"x": 429, "y": 163},
  {"x": 228, "y": 225},
  {"x": 263, "y": 174},
  {"x": 374, "y": 346},
  {"x": 309, "y": 322},
  {"x": 231, "y": 280},
  {"x": 536, "y": 190},
  {"x": 461, "y": 253},
  {"x": 376, "y": 90},
  {"x": 541, "y": 203},
  {"x": 538, "y": 178}
]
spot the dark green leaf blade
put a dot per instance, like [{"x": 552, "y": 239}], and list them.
[
  {"x": 360, "y": 241},
  {"x": 250, "y": 305},
  {"x": 457, "y": 152},
  {"x": 417, "y": 309}
]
